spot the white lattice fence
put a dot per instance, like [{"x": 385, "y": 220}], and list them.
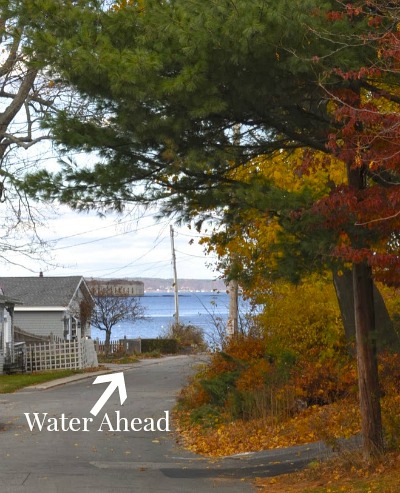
[
  {"x": 59, "y": 355},
  {"x": 88, "y": 354}
]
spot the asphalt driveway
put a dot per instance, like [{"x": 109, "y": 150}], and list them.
[{"x": 102, "y": 457}]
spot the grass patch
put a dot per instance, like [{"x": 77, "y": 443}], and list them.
[
  {"x": 12, "y": 383},
  {"x": 118, "y": 359},
  {"x": 151, "y": 354}
]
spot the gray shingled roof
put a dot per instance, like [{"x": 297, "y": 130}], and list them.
[
  {"x": 41, "y": 291},
  {"x": 6, "y": 300}
]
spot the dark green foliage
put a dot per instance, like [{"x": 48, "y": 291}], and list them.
[
  {"x": 219, "y": 387},
  {"x": 206, "y": 415},
  {"x": 227, "y": 398},
  {"x": 167, "y": 85},
  {"x": 188, "y": 336},
  {"x": 164, "y": 346}
]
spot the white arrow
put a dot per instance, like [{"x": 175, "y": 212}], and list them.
[{"x": 116, "y": 380}]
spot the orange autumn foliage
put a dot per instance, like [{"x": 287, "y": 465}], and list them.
[
  {"x": 242, "y": 436},
  {"x": 253, "y": 377},
  {"x": 324, "y": 382},
  {"x": 264, "y": 404},
  {"x": 243, "y": 349}
]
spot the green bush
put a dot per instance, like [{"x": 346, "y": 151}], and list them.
[
  {"x": 219, "y": 387},
  {"x": 164, "y": 346},
  {"x": 206, "y": 415},
  {"x": 188, "y": 336}
]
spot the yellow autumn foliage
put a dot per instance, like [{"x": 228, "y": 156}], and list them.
[
  {"x": 302, "y": 318},
  {"x": 254, "y": 238},
  {"x": 288, "y": 171}
]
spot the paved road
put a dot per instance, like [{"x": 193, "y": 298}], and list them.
[{"x": 110, "y": 461}]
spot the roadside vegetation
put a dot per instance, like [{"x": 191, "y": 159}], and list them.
[
  {"x": 118, "y": 358},
  {"x": 190, "y": 338},
  {"x": 176, "y": 339},
  {"x": 292, "y": 379},
  {"x": 348, "y": 474}
]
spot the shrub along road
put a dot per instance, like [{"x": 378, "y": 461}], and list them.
[{"x": 77, "y": 452}]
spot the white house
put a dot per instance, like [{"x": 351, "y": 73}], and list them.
[
  {"x": 7, "y": 305},
  {"x": 58, "y": 306}
]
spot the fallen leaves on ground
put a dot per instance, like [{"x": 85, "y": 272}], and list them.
[
  {"x": 327, "y": 423},
  {"x": 347, "y": 473}
]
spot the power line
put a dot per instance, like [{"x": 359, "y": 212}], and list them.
[
  {"x": 89, "y": 231},
  {"x": 195, "y": 256},
  {"x": 110, "y": 226},
  {"x": 139, "y": 258},
  {"x": 93, "y": 241},
  {"x": 179, "y": 233}
]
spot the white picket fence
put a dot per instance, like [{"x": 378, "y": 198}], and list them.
[
  {"x": 115, "y": 347},
  {"x": 60, "y": 355}
]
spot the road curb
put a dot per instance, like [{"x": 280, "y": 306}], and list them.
[
  {"x": 111, "y": 368},
  {"x": 66, "y": 380}
]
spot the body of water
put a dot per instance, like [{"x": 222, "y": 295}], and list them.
[{"x": 201, "y": 309}]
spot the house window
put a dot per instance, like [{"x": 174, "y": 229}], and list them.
[{"x": 75, "y": 328}]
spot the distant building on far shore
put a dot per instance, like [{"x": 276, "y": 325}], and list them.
[
  {"x": 115, "y": 287},
  {"x": 185, "y": 285}
]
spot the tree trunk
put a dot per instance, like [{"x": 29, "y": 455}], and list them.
[
  {"x": 371, "y": 420},
  {"x": 345, "y": 296},
  {"x": 364, "y": 316},
  {"x": 386, "y": 335},
  {"x": 107, "y": 342}
]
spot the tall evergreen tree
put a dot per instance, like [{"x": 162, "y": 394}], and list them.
[{"x": 184, "y": 92}]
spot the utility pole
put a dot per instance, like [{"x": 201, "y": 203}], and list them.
[
  {"x": 176, "y": 315},
  {"x": 233, "y": 292},
  {"x": 232, "y": 326}
]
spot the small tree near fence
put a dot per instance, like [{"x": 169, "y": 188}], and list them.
[{"x": 112, "y": 307}]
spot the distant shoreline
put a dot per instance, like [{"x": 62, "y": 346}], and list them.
[
  {"x": 183, "y": 291},
  {"x": 155, "y": 285}
]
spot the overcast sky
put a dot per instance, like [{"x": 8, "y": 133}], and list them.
[
  {"x": 115, "y": 246},
  {"x": 133, "y": 245}
]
